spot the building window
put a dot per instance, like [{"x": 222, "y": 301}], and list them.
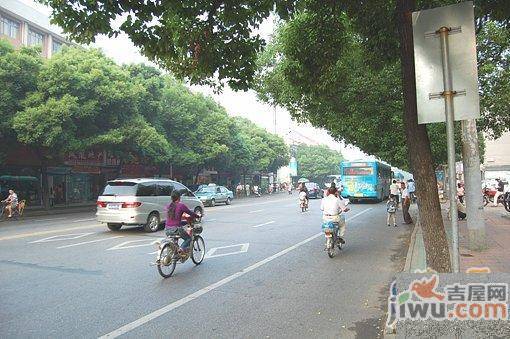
[
  {"x": 10, "y": 28},
  {"x": 35, "y": 38},
  {"x": 56, "y": 46}
]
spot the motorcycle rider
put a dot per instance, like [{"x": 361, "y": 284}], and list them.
[
  {"x": 332, "y": 210},
  {"x": 174, "y": 224}
]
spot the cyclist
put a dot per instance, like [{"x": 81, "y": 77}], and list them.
[
  {"x": 332, "y": 207},
  {"x": 11, "y": 203},
  {"x": 174, "y": 224}
]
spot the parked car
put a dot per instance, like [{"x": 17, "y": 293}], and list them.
[
  {"x": 314, "y": 190},
  {"x": 212, "y": 194},
  {"x": 141, "y": 202}
]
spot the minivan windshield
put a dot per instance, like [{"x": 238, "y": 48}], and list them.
[{"x": 120, "y": 188}]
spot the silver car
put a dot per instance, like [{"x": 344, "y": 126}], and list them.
[{"x": 141, "y": 202}]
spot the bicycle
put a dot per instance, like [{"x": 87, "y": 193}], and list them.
[
  {"x": 16, "y": 212},
  {"x": 168, "y": 255}
]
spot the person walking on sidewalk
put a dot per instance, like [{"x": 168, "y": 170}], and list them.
[
  {"x": 460, "y": 192},
  {"x": 394, "y": 191},
  {"x": 411, "y": 186},
  {"x": 406, "y": 203},
  {"x": 391, "y": 208},
  {"x": 500, "y": 189}
]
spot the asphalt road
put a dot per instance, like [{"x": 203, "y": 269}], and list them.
[{"x": 69, "y": 276}]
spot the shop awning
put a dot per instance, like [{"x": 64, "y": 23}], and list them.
[{"x": 17, "y": 178}]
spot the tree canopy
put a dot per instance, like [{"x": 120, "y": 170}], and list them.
[
  {"x": 80, "y": 100},
  {"x": 317, "y": 162}
]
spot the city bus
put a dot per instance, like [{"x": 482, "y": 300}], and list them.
[{"x": 368, "y": 180}]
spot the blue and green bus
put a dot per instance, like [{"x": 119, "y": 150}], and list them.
[{"x": 365, "y": 180}]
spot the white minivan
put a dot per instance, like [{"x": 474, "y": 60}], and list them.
[{"x": 141, "y": 202}]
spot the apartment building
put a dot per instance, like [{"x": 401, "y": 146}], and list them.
[{"x": 24, "y": 26}]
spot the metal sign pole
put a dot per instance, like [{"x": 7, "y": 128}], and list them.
[{"x": 448, "y": 95}]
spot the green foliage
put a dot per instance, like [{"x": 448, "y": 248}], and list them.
[
  {"x": 80, "y": 100},
  {"x": 316, "y": 162},
  {"x": 83, "y": 100},
  {"x": 197, "y": 40},
  {"x": 18, "y": 76}
]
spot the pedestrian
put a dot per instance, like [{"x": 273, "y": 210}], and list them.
[
  {"x": 500, "y": 189},
  {"x": 460, "y": 192},
  {"x": 461, "y": 210},
  {"x": 239, "y": 190},
  {"x": 394, "y": 191},
  {"x": 391, "y": 208},
  {"x": 406, "y": 203},
  {"x": 247, "y": 189},
  {"x": 289, "y": 188},
  {"x": 411, "y": 187}
]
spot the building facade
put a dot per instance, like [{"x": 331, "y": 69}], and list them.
[
  {"x": 497, "y": 158},
  {"x": 22, "y": 25}
]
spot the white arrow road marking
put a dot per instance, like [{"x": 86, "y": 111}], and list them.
[
  {"x": 176, "y": 304},
  {"x": 90, "y": 242},
  {"x": 243, "y": 249},
  {"x": 123, "y": 246},
  {"x": 61, "y": 237},
  {"x": 256, "y": 211},
  {"x": 264, "y": 224}
]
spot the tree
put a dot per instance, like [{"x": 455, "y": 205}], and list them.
[
  {"x": 84, "y": 101},
  {"x": 18, "y": 75},
  {"x": 197, "y": 40},
  {"x": 316, "y": 162}
]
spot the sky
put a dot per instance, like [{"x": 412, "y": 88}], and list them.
[{"x": 239, "y": 103}]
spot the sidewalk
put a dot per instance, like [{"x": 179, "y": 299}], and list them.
[{"x": 496, "y": 256}]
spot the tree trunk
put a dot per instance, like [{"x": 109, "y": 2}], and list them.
[
  {"x": 473, "y": 183},
  {"x": 419, "y": 152},
  {"x": 45, "y": 191}
]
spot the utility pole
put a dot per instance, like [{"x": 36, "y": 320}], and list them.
[{"x": 473, "y": 183}]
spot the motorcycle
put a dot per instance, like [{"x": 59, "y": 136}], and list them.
[
  {"x": 332, "y": 238},
  {"x": 489, "y": 194},
  {"x": 506, "y": 201},
  {"x": 169, "y": 254}
]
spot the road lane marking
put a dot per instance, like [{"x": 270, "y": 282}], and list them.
[
  {"x": 90, "y": 242},
  {"x": 221, "y": 208},
  {"x": 62, "y": 237},
  {"x": 243, "y": 249},
  {"x": 264, "y": 224},
  {"x": 35, "y": 234},
  {"x": 82, "y": 220},
  {"x": 123, "y": 246},
  {"x": 37, "y": 220},
  {"x": 170, "y": 307},
  {"x": 256, "y": 211}
]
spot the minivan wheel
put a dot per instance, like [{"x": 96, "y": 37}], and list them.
[
  {"x": 114, "y": 227},
  {"x": 228, "y": 202},
  {"x": 213, "y": 202},
  {"x": 152, "y": 224}
]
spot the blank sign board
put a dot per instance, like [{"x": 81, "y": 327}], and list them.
[{"x": 462, "y": 57}]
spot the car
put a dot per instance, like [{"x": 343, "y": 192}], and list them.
[
  {"x": 141, "y": 201},
  {"x": 314, "y": 190},
  {"x": 213, "y": 194}
]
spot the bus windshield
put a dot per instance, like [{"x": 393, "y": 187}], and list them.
[{"x": 358, "y": 171}]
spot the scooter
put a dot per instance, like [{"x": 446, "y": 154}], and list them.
[
  {"x": 331, "y": 233},
  {"x": 489, "y": 194}
]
